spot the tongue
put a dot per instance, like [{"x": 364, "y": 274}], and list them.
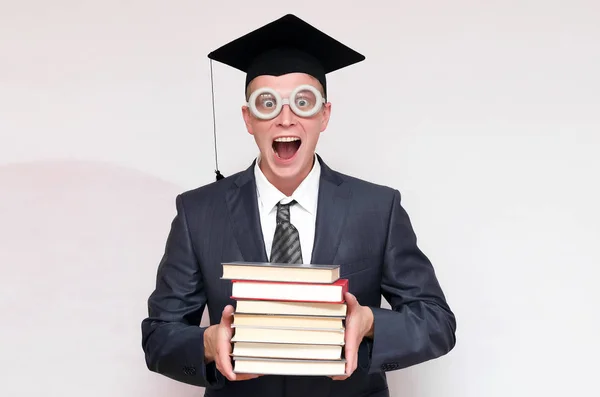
[{"x": 286, "y": 150}]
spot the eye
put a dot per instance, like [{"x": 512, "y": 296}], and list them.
[
  {"x": 305, "y": 100},
  {"x": 302, "y": 102},
  {"x": 268, "y": 103}
]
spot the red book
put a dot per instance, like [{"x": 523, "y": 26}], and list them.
[{"x": 291, "y": 292}]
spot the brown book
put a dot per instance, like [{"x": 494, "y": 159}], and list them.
[{"x": 283, "y": 272}]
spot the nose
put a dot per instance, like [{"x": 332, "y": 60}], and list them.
[{"x": 286, "y": 117}]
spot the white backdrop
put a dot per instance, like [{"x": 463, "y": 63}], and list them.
[{"x": 486, "y": 116}]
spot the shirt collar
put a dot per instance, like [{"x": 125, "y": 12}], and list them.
[{"x": 306, "y": 195}]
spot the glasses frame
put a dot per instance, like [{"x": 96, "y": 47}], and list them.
[{"x": 281, "y": 101}]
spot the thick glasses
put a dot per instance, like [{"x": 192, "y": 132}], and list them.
[{"x": 266, "y": 103}]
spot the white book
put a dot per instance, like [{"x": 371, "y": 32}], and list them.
[
  {"x": 287, "y": 350},
  {"x": 269, "y": 366},
  {"x": 300, "y": 292},
  {"x": 281, "y": 335},
  {"x": 285, "y": 321},
  {"x": 281, "y": 272},
  {"x": 291, "y": 308}
]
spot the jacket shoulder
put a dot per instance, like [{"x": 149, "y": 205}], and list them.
[
  {"x": 209, "y": 192},
  {"x": 364, "y": 187}
]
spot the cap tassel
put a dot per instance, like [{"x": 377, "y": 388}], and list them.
[{"x": 219, "y": 175}]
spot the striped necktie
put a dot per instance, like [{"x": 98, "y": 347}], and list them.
[{"x": 286, "y": 242}]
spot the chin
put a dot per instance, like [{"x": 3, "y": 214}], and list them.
[{"x": 288, "y": 173}]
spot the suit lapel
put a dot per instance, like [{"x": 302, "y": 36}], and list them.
[
  {"x": 243, "y": 209},
  {"x": 332, "y": 210}
]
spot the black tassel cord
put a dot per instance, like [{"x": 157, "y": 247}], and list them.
[{"x": 219, "y": 175}]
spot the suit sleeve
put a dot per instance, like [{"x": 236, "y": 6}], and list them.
[
  {"x": 172, "y": 339},
  {"x": 420, "y": 325}
]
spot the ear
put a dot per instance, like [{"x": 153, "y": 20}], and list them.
[
  {"x": 247, "y": 119},
  {"x": 326, "y": 114}
]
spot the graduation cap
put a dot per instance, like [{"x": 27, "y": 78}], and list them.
[{"x": 286, "y": 45}]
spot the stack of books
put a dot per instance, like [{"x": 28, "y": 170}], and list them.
[{"x": 289, "y": 318}]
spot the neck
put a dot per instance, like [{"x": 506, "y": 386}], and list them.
[{"x": 287, "y": 185}]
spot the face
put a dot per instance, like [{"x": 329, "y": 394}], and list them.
[{"x": 287, "y": 142}]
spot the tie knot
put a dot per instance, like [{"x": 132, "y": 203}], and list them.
[
  {"x": 285, "y": 206},
  {"x": 283, "y": 211}
]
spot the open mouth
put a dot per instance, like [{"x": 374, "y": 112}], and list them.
[{"x": 285, "y": 148}]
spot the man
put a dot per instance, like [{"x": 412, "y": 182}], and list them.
[{"x": 338, "y": 219}]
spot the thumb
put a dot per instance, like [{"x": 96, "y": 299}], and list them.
[
  {"x": 227, "y": 316},
  {"x": 350, "y": 300}
]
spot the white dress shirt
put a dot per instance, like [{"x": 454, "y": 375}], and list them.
[{"x": 303, "y": 214}]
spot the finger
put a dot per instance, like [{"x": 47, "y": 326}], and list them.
[
  {"x": 227, "y": 316},
  {"x": 350, "y": 367},
  {"x": 350, "y": 354},
  {"x": 339, "y": 377},
  {"x": 351, "y": 359},
  {"x": 246, "y": 376},
  {"x": 351, "y": 364},
  {"x": 224, "y": 355},
  {"x": 350, "y": 301},
  {"x": 351, "y": 348},
  {"x": 224, "y": 366},
  {"x": 224, "y": 347}
]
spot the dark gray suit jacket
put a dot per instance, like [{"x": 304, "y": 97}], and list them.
[{"x": 360, "y": 225}]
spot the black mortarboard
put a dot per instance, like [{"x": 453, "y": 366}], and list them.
[{"x": 286, "y": 45}]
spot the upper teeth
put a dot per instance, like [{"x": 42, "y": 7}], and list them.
[{"x": 287, "y": 139}]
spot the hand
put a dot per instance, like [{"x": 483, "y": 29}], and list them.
[
  {"x": 359, "y": 324},
  {"x": 217, "y": 346}
]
